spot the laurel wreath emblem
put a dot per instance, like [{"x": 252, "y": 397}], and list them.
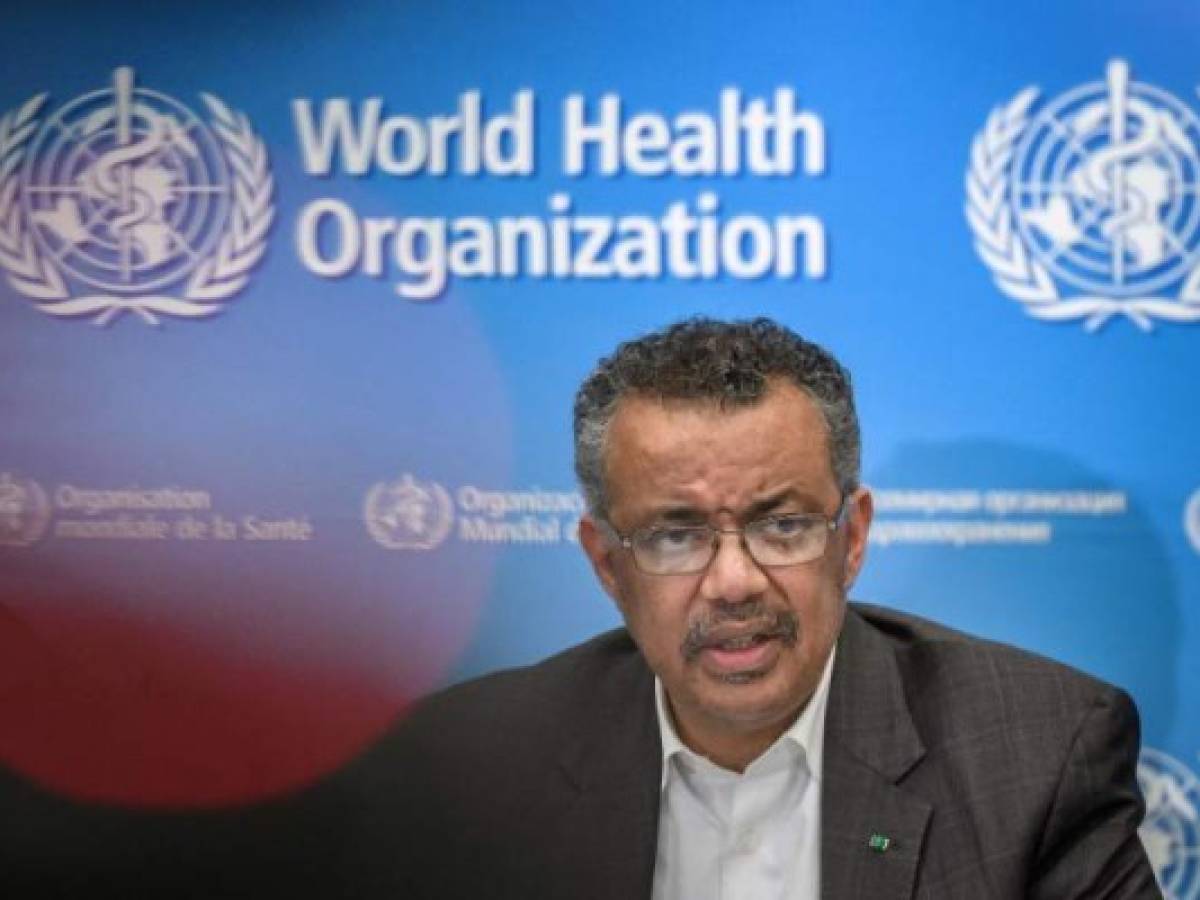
[
  {"x": 1014, "y": 269},
  {"x": 214, "y": 280},
  {"x": 377, "y": 502}
]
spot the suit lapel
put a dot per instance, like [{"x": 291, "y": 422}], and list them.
[
  {"x": 612, "y": 767},
  {"x": 610, "y": 827},
  {"x": 871, "y": 830}
]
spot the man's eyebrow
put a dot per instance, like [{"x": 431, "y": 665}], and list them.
[
  {"x": 690, "y": 515},
  {"x": 772, "y": 502},
  {"x": 687, "y": 515}
]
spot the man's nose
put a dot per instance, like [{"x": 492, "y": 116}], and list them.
[{"x": 733, "y": 575}]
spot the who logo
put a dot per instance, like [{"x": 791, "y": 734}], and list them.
[
  {"x": 1170, "y": 831},
  {"x": 124, "y": 200},
  {"x": 407, "y": 514},
  {"x": 1191, "y": 520},
  {"x": 1086, "y": 207},
  {"x": 24, "y": 511}
]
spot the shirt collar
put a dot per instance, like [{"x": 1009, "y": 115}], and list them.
[{"x": 807, "y": 732}]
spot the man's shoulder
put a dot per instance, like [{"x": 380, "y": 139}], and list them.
[
  {"x": 925, "y": 641},
  {"x": 495, "y": 753},
  {"x": 592, "y": 679},
  {"x": 950, "y": 676},
  {"x": 1028, "y": 758}
]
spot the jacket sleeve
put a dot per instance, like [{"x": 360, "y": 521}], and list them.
[{"x": 1090, "y": 846}]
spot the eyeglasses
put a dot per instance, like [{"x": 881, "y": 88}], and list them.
[{"x": 786, "y": 540}]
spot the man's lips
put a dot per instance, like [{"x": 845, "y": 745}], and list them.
[
  {"x": 740, "y": 634},
  {"x": 741, "y": 652}
]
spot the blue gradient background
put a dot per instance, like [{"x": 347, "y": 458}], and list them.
[{"x": 306, "y": 391}]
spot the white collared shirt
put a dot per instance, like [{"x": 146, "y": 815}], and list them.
[{"x": 754, "y": 836}]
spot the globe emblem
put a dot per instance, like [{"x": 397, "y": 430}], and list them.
[
  {"x": 24, "y": 511},
  {"x": 407, "y": 514},
  {"x": 1191, "y": 520},
  {"x": 1104, "y": 187},
  {"x": 1087, "y": 208},
  {"x": 1171, "y": 830},
  {"x": 124, "y": 194},
  {"x": 126, "y": 188}
]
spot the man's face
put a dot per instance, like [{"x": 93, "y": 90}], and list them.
[{"x": 684, "y": 462}]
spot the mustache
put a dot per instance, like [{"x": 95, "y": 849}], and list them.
[{"x": 749, "y": 617}]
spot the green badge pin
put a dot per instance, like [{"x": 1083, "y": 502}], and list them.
[{"x": 879, "y": 842}]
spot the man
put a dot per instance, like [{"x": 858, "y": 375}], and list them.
[{"x": 749, "y": 734}]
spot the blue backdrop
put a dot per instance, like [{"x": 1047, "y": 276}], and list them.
[{"x": 256, "y": 496}]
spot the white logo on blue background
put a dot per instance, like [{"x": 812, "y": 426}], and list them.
[
  {"x": 1191, "y": 520},
  {"x": 1171, "y": 830},
  {"x": 1087, "y": 208},
  {"x": 124, "y": 200},
  {"x": 408, "y": 514},
  {"x": 24, "y": 511}
]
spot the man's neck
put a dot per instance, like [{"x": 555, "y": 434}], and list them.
[{"x": 732, "y": 750}]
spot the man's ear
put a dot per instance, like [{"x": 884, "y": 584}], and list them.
[
  {"x": 599, "y": 547},
  {"x": 858, "y": 523}
]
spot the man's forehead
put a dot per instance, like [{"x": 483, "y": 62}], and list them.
[
  {"x": 642, "y": 414},
  {"x": 776, "y": 444}
]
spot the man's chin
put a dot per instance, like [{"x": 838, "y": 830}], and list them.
[{"x": 749, "y": 697}]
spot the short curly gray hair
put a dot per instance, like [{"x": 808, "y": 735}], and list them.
[{"x": 729, "y": 363}]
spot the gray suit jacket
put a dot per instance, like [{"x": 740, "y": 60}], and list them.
[{"x": 993, "y": 772}]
